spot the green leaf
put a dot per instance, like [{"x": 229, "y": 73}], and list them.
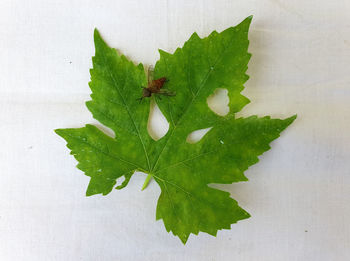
[{"x": 182, "y": 170}]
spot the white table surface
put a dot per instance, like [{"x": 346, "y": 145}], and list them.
[{"x": 299, "y": 193}]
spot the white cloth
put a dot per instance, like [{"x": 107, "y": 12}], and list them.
[{"x": 298, "y": 194}]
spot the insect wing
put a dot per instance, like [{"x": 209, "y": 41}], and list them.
[
  {"x": 150, "y": 73},
  {"x": 166, "y": 92}
]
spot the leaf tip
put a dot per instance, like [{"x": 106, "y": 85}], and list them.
[
  {"x": 96, "y": 33},
  {"x": 195, "y": 36},
  {"x": 90, "y": 105},
  {"x": 183, "y": 238},
  {"x": 98, "y": 40},
  {"x": 162, "y": 52},
  {"x": 246, "y": 215},
  {"x": 249, "y": 17},
  {"x": 246, "y": 22},
  {"x": 89, "y": 193},
  {"x": 291, "y": 119},
  {"x": 59, "y": 132}
]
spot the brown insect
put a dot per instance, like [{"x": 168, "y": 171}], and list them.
[{"x": 155, "y": 86}]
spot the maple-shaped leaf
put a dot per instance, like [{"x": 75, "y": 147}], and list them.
[{"x": 182, "y": 170}]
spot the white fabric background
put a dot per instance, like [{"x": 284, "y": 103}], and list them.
[{"x": 299, "y": 193}]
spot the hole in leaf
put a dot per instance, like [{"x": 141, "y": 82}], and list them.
[
  {"x": 218, "y": 102},
  {"x": 157, "y": 125},
  {"x": 120, "y": 181},
  {"x": 197, "y": 135},
  {"x": 109, "y": 132}
]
